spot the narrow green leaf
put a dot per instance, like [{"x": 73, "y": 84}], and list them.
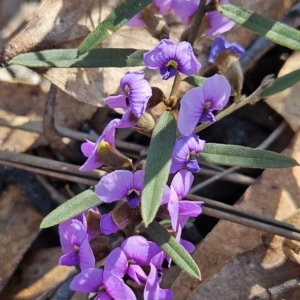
[
  {"x": 282, "y": 83},
  {"x": 195, "y": 80},
  {"x": 172, "y": 248},
  {"x": 272, "y": 30},
  {"x": 232, "y": 155},
  {"x": 67, "y": 58},
  {"x": 116, "y": 19},
  {"x": 158, "y": 166},
  {"x": 71, "y": 208}
]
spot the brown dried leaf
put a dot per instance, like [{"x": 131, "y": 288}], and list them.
[
  {"x": 286, "y": 103},
  {"x": 19, "y": 99},
  {"x": 19, "y": 226},
  {"x": 275, "y": 194},
  {"x": 38, "y": 272},
  {"x": 251, "y": 273}
]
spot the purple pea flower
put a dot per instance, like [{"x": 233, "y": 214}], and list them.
[
  {"x": 198, "y": 103},
  {"x": 119, "y": 184},
  {"x": 181, "y": 210},
  {"x": 75, "y": 245},
  {"x": 115, "y": 186},
  {"x": 136, "y": 93},
  {"x": 93, "y": 150},
  {"x": 164, "y": 5},
  {"x": 134, "y": 251},
  {"x": 170, "y": 58},
  {"x": 218, "y": 23},
  {"x": 82, "y": 219},
  {"x": 184, "y": 9},
  {"x": 220, "y": 45},
  {"x": 106, "y": 284},
  {"x": 152, "y": 289},
  {"x": 136, "y": 21},
  {"x": 184, "y": 153}
]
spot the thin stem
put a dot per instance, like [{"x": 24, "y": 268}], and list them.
[
  {"x": 197, "y": 23},
  {"x": 175, "y": 90},
  {"x": 227, "y": 212}
]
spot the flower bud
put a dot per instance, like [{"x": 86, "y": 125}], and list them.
[
  {"x": 113, "y": 158},
  {"x": 229, "y": 65},
  {"x": 124, "y": 214},
  {"x": 145, "y": 124},
  {"x": 155, "y": 23},
  {"x": 100, "y": 246}
]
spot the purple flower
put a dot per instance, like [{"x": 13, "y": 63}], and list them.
[
  {"x": 103, "y": 143},
  {"x": 164, "y": 5},
  {"x": 152, "y": 289},
  {"x": 184, "y": 9},
  {"x": 75, "y": 245},
  {"x": 218, "y": 23},
  {"x": 106, "y": 284},
  {"x": 82, "y": 219},
  {"x": 170, "y": 58},
  {"x": 184, "y": 153},
  {"x": 136, "y": 21},
  {"x": 220, "y": 45},
  {"x": 134, "y": 251},
  {"x": 198, "y": 103},
  {"x": 136, "y": 93},
  {"x": 115, "y": 186},
  {"x": 119, "y": 184},
  {"x": 181, "y": 210}
]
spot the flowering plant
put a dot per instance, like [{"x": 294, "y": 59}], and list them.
[{"x": 143, "y": 197}]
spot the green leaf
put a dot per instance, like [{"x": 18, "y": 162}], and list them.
[
  {"x": 272, "y": 30},
  {"x": 232, "y": 155},
  {"x": 115, "y": 20},
  {"x": 67, "y": 58},
  {"x": 170, "y": 246},
  {"x": 195, "y": 80},
  {"x": 282, "y": 83},
  {"x": 158, "y": 166},
  {"x": 71, "y": 208}
]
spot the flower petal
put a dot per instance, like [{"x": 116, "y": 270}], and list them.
[
  {"x": 116, "y": 287},
  {"x": 173, "y": 208},
  {"x": 115, "y": 186},
  {"x": 217, "y": 97},
  {"x": 160, "y": 55},
  {"x": 127, "y": 120},
  {"x": 184, "y": 9},
  {"x": 88, "y": 281},
  {"x": 86, "y": 256},
  {"x": 87, "y": 148},
  {"x": 164, "y": 5},
  {"x": 108, "y": 225},
  {"x": 116, "y": 262},
  {"x": 70, "y": 259},
  {"x": 190, "y": 208},
  {"x": 191, "y": 108},
  {"x": 136, "y": 273},
  {"x": 182, "y": 183},
  {"x": 118, "y": 101},
  {"x": 136, "y": 248},
  {"x": 218, "y": 23},
  {"x": 188, "y": 64}
]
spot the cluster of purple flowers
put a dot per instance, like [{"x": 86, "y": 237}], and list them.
[
  {"x": 185, "y": 9},
  {"x": 138, "y": 258}
]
